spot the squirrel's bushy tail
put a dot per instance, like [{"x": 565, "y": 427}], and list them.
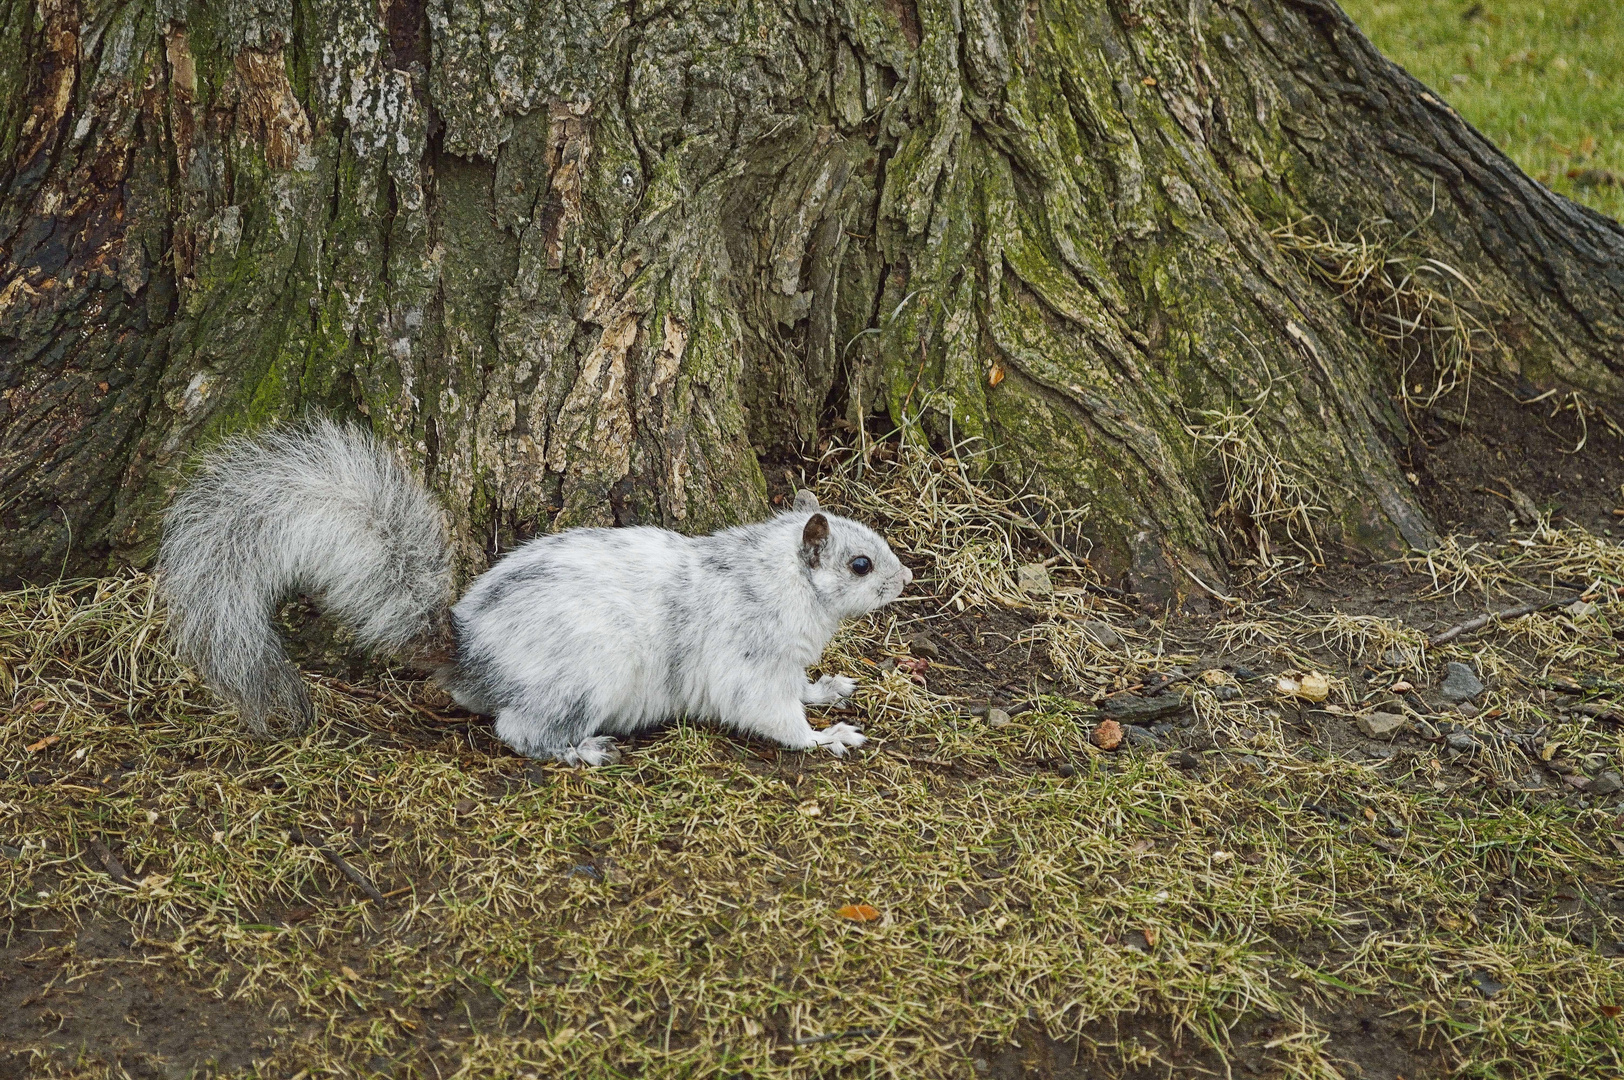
[{"x": 315, "y": 507}]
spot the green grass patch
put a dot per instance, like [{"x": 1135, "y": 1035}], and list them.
[{"x": 1543, "y": 80}]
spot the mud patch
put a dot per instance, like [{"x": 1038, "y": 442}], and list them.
[{"x": 1570, "y": 469}]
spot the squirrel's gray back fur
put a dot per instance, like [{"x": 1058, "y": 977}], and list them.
[{"x": 315, "y": 507}]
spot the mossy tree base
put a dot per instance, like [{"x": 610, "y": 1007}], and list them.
[{"x": 582, "y": 261}]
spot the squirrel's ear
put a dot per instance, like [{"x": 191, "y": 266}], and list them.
[
  {"x": 805, "y": 501},
  {"x": 813, "y": 537}
]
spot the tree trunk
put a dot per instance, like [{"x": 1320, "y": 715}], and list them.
[{"x": 585, "y": 261}]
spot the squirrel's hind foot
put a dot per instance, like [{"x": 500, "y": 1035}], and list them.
[
  {"x": 837, "y": 737},
  {"x": 598, "y": 750}
]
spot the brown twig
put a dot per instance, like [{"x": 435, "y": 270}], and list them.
[
  {"x": 1478, "y": 622},
  {"x": 110, "y": 863},
  {"x": 358, "y": 879},
  {"x": 1599, "y": 711}
]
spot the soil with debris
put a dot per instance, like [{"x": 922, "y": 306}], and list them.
[
  {"x": 1489, "y": 472},
  {"x": 1290, "y": 853}
]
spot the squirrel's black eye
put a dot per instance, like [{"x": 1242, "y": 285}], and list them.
[{"x": 861, "y": 565}]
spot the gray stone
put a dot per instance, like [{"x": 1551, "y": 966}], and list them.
[
  {"x": 1393, "y": 658},
  {"x": 1102, "y": 634},
  {"x": 1464, "y": 741},
  {"x": 922, "y": 645},
  {"x": 1460, "y": 683},
  {"x": 1606, "y": 784},
  {"x": 997, "y": 718},
  {"x": 1381, "y": 725},
  {"x": 1225, "y": 692},
  {"x": 1033, "y": 580},
  {"x": 1138, "y": 738}
]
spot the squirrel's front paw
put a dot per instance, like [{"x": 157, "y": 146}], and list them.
[
  {"x": 836, "y": 737},
  {"x": 598, "y": 750},
  {"x": 841, "y": 686},
  {"x": 829, "y": 690}
]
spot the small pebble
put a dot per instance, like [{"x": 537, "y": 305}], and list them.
[
  {"x": 1102, "y": 634},
  {"x": 1138, "y": 738},
  {"x": 1245, "y": 673},
  {"x": 1464, "y": 741},
  {"x": 997, "y": 718},
  {"x": 1033, "y": 580},
  {"x": 1380, "y": 725},
  {"x": 922, "y": 645},
  {"x": 1226, "y": 693},
  {"x": 1460, "y": 683},
  {"x": 1606, "y": 784}
]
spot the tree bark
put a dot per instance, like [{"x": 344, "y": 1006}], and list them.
[{"x": 583, "y": 262}]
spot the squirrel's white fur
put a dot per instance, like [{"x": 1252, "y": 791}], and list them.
[{"x": 568, "y": 641}]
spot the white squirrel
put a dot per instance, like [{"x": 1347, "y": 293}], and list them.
[{"x": 568, "y": 641}]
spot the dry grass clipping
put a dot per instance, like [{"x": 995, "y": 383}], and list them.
[
  {"x": 1428, "y": 314},
  {"x": 1268, "y": 500}
]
